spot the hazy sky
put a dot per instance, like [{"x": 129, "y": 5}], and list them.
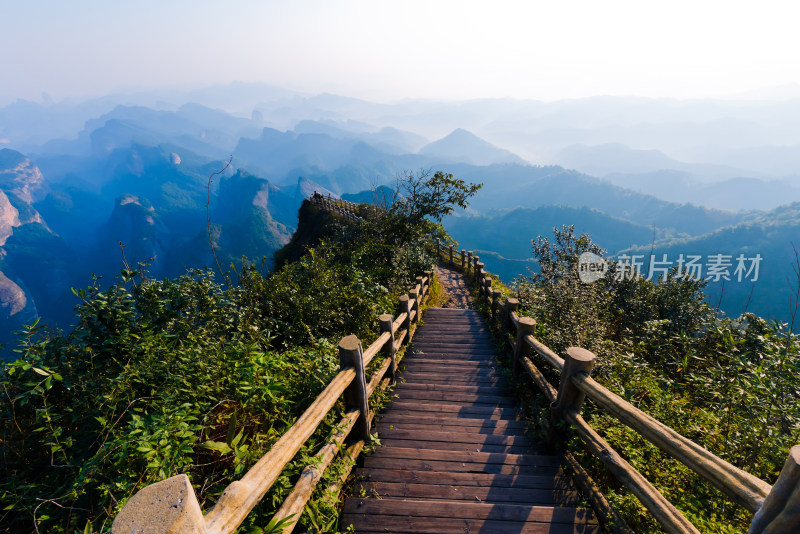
[{"x": 384, "y": 50}]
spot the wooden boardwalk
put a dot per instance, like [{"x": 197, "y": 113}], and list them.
[{"x": 454, "y": 454}]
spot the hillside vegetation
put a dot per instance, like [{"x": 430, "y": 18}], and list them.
[
  {"x": 730, "y": 385},
  {"x": 192, "y": 375}
]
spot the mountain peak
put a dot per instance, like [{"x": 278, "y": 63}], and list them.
[{"x": 464, "y": 146}]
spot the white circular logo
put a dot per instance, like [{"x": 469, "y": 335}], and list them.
[{"x": 591, "y": 267}]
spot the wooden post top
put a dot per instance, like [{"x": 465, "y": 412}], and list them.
[
  {"x": 511, "y": 301},
  {"x": 386, "y": 317},
  {"x": 581, "y": 355},
  {"x": 350, "y": 343},
  {"x": 526, "y": 324},
  {"x": 166, "y": 506}
]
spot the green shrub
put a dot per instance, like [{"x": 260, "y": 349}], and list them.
[{"x": 732, "y": 386}]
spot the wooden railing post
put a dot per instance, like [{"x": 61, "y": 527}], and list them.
[
  {"x": 463, "y": 258},
  {"x": 487, "y": 285},
  {"x": 429, "y": 276},
  {"x": 405, "y": 307},
  {"x": 495, "y": 303},
  {"x": 526, "y": 326},
  {"x": 414, "y": 294},
  {"x": 387, "y": 325},
  {"x": 355, "y": 396},
  {"x": 167, "y": 506},
  {"x": 510, "y": 307},
  {"x": 570, "y": 398},
  {"x": 780, "y": 512},
  {"x": 480, "y": 273},
  {"x": 469, "y": 261},
  {"x": 451, "y": 254}
]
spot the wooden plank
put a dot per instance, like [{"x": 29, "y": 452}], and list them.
[
  {"x": 450, "y": 359},
  {"x": 456, "y": 327},
  {"x": 460, "y": 411},
  {"x": 368, "y": 524},
  {"x": 421, "y": 376},
  {"x": 484, "y": 346},
  {"x": 419, "y": 360},
  {"x": 531, "y": 460},
  {"x": 467, "y": 356},
  {"x": 453, "y": 396},
  {"x": 449, "y": 509},
  {"x": 455, "y": 446},
  {"x": 456, "y": 388},
  {"x": 472, "y": 425},
  {"x": 411, "y": 464},
  {"x": 453, "y": 337},
  {"x": 494, "y": 494},
  {"x": 423, "y": 434},
  {"x": 451, "y": 371},
  {"x": 551, "y": 482},
  {"x": 439, "y": 426}
]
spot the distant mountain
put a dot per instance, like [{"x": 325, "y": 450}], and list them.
[
  {"x": 731, "y": 194},
  {"x": 772, "y": 235},
  {"x": 465, "y": 147},
  {"x": 512, "y": 186},
  {"x": 600, "y": 160},
  {"x": 135, "y": 225},
  {"x": 510, "y": 234}
]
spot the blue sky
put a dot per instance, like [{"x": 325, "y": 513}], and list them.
[{"x": 393, "y": 50}]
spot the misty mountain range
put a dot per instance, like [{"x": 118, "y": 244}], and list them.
[{"x": 78, "y": 179}]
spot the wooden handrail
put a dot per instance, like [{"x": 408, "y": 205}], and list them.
[
  {"x": 665, "y": 513},
  {"x": 777, "y": 508},
  {"x": 744, "y": 488},
  {"x": 171, "y": 506}
]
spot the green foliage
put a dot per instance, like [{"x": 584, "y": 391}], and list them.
[
  {"x": 423, "y": 195},
  {"x": 168, "y": 378},
  {"x": 162, "y": 377},
  {"x": 732, "y": 386}
]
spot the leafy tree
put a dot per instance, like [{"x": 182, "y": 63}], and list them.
[{"x": 422, "y": 195}]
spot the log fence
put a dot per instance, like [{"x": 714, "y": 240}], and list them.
[
  {"x": 171, "y": 506},
  {"x": 338, "y": 206},
  {"x": 776, "y": 508}
]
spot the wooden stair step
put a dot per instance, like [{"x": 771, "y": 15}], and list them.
[
  {"x": 470, "y": 424},
  {"x": 549, "y": 482},
  {"x": 449, "y": 492},
  {"x": 453, "y": 437},
  {"x": 411, "y": 464},
  {"x": 511, "y": 517},
  {"x": 455, "y": 388},
  {"x": 442, "y": 426},
  {"x": 461, "y": 398},
  {"x": 422, "y": 376},
  {"x": 472, "y": 457},
  {"x": 452, "y": 409}
]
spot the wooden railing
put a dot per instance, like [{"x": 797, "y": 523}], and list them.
[
  {"x": 341, "y": 207},
  {"x": 776, "y": 508},
  {"x": 171, "y": 506}
]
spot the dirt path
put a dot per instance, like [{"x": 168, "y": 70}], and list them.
[{"x": 457, "y": 293}]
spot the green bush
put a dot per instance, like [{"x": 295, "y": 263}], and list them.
[{"x": 732, "y": 386}]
